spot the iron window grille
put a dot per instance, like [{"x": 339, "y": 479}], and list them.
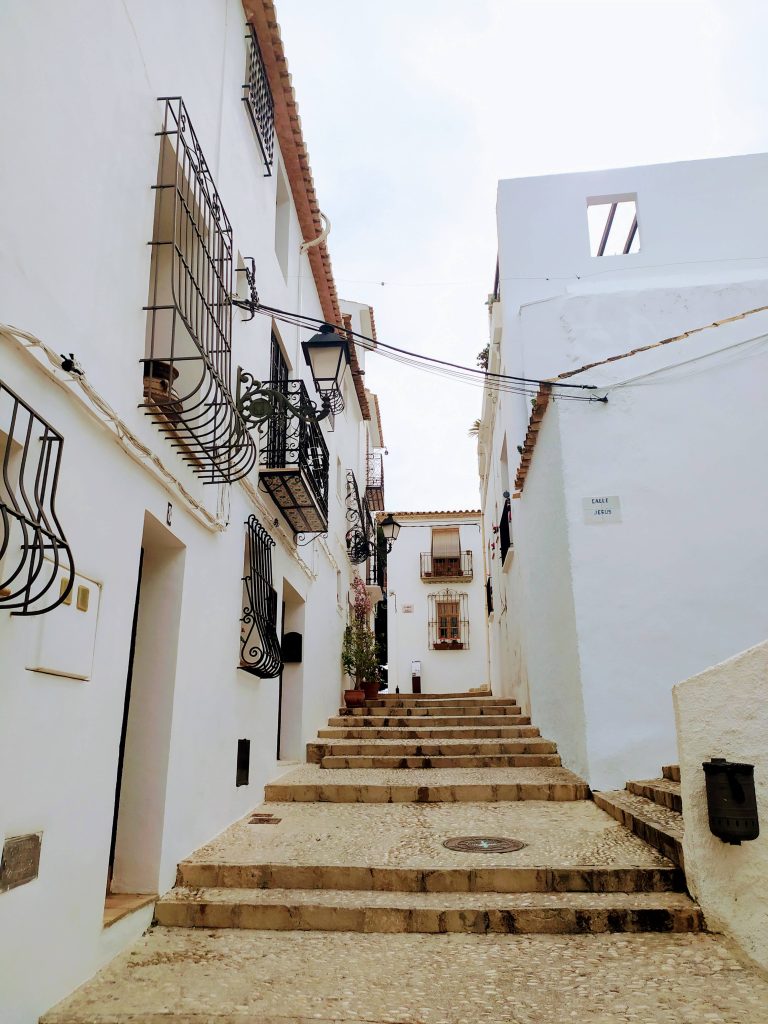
[
  {"x": 361, "y": 533},
  {"x": 257, "y": 97},
  {"x": 295, "y": 461},
  {"x": 259, "y": 643},
  {"x": 33, "y": 548},
  {"x": 448, "y": 621},
  {"x": 434, "y": 568},
  {"x": 374, "y": 482},
  {"x": 187, "y": 370},
  {"x": 505, "y": 538}
]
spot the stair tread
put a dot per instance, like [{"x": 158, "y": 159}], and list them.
[
  {"x": 661, "y": 818},
  {"x": 426, "y": 900},
  {"x": 436, "y": 761},
  {"x": 309, "y": 774}
]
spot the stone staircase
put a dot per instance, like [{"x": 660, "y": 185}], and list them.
[
  {"x": 355, "y": 839},
  {"x": 653, "y": 810}
]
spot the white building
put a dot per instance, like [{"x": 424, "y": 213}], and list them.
[
  {"x": 436, "y": 603},
  {"x": 144, "y": 710},
  {"x": 630, "y": 533}
]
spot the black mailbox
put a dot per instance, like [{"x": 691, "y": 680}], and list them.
[
  {"x": 291, "y": 648},
  {"x": 731, "y": 800}
]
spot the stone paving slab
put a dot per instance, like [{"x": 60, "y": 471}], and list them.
[
  {"x": 310, "y": 783},
  {"x": 411, "y": 836},
  {"x": 428, "y": 913},
  {"x": 178, "y": 976}
]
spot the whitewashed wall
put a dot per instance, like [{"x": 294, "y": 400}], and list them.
[
  {"x": 79, "y": 88},
  {"x": 723, "y": 713},
  {"x": 408, "y": 631}
]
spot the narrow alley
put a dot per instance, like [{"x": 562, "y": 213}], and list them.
[{"x": 355, "y": 894}]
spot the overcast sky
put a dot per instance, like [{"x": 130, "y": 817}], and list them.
[{"x": 412, "y": 110}]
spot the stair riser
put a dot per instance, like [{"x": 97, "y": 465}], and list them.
[
  {"x": 550, "y": 921},
  {"x": 668, "y": 846},
  {"x": 477, "y": 702},
  {"x": 498, "y": 732},
  {"x": 662, "y": 797},
  {"x": 354, "y": 794},
  {"x": 468, "y": 761},
  {"x": 317, "y": 751},
  {"x": 466, "y": 722},
  {"x": 437, "y": 712},
  {"x": 671, "y": 772},
  {"x": 386, "y": 879}
]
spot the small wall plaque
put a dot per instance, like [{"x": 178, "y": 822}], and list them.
[
  {"x": 407, "y": 609},
  {"x": 602, "y": 509},
  {"x": 21, "y": 860}
]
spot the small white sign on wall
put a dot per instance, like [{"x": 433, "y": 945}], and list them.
[
  {"x": 407, "y": 609},
  {"x": 605, "y": 509}
]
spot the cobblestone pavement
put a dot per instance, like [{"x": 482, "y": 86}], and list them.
[
  {"x": 411, "y": 835},
  {"x": 178, "y": 976}
]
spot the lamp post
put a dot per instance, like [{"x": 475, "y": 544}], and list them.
[
  {"x": 390, "y": 528},
  {"x": 327, "y": 355}
]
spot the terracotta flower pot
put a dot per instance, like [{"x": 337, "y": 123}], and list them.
[
  {"x": 371, "y": 689},
  {"x": 354, "y": 698}
]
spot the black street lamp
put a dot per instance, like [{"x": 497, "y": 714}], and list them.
[
  {"x": 390, "y": 528},
  {"x": 327, "y": 355}
]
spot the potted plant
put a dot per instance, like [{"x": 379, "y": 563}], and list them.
[{"x": 359, "y": 651}]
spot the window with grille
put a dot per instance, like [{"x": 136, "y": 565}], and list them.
[
  {"x": 448, "y": 621},
  {"x": 257, "y": 97},
  {"x": 260, "y": 651}
]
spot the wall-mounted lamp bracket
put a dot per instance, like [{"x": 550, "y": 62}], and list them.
[{"x": 259, "y": 404}]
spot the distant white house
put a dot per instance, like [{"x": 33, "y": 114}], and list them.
[
  {"x": 436, "y": 603},
  {"x": 626, "y": 537},
  {"x": 173, "y": 579}
]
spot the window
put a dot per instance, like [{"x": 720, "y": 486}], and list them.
[
  {"x": 448, "y": 621},
  {"x": 612, "y": 224},
  {"x": 257, "y": 97},
  {"x": 446, "y": 552},
  {"x": 243, "y": 762},
  {"x": 260, "y": 652}
]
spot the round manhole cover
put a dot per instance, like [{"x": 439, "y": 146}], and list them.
[{"x": 483, "y": 844}]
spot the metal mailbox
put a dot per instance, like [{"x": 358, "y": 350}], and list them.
[{"x": 731, "y": 800}]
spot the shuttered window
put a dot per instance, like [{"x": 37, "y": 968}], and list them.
[{"x": 446, "y": 551}]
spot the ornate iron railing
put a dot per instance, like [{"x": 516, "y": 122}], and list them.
[
  {"x": 259, "y": 643},
  {"x": 505, "y": 539},
  {"x": 257, "y": 97},
  {"x": 448, "y": 621},
  {"x": 434, "y": 567},
  {"x": 376, "y": 563},
  {"x": 374, "y": 481},
  {"x": 361, "y": 534},
  {"x": 295, "y": 460},
  {"x": 187, "y": 371},
  {"x": 33, "y": 548}
]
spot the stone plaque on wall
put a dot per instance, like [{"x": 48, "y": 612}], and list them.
[{"x": 20, "y": 861}]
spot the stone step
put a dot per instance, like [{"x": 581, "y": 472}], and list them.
[
  {"x": 430, "y": 732},
  {"x": 443, "y": 702},
  {"x": 663, "y": 792},
  {"x": 438, "y": 711},
  {"x": 671, "y": 772},
  {"x": 447, "y": 761},
  {"x": 355, "y": 911},
  {"x": 658, "y": 826},
  {"x": 434, "y": 785},
  {"x": 399, "y": 722},
  {"x": 464, "y": 879},
  {"x": 426, "y": 748}
]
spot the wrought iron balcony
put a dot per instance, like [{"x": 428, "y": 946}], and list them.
[
  {"x": 361, "y": 535},
  {"x": 294, "y": 462},
  {"x": 33, "y": 548},
  {"x": 435, "y": 569},
  {"x": 374, "y": 482}
]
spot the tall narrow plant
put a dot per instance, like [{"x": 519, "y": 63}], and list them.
[{"x": 360, "y": 652}]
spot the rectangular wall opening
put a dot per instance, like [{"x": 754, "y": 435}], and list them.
[
  {"x": 612, "y": 222},
  {"x": 243, "y": 762}
]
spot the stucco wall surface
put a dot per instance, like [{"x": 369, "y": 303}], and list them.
[{"x": 723, "y": 712}]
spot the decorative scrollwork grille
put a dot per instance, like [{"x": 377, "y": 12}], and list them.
[
  {"x": 448, "y": 621},
  {"x": 187, "y": 372},
  {"x": 259, "y": 643},
  {"x": 257, "y": 97},
  {"x": 33, "y": 548},
  {"x": 361, "y": 533}
]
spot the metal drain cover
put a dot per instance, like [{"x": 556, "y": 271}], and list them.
[{"x": 483, "y": 844}]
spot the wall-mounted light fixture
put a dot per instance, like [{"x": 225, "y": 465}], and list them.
[
  {"x": 258, "y": 404},
  {"x": 390, "y": 528},
  {"x": 327, "y": 355}
]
